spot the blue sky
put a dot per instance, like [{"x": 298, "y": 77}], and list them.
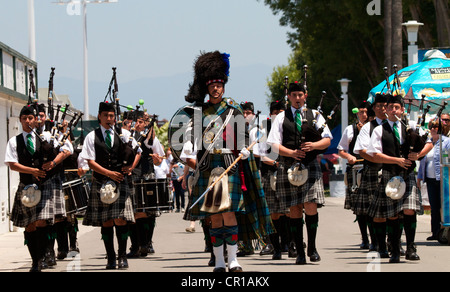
[{"x": 153, "y": 44}]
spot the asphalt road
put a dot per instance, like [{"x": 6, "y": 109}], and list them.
[{"x": 180, "y": 252}]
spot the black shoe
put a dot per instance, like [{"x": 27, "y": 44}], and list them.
[
  {"x": 111, "y": 265},
  {"x": 143, "y": 251},
  {"x": 276, "y": 255},
  {"x": 395, "y": 258},
  {"x": 43, "y": 264},
  {"x": 61, "y": 255},
  {"x": 50, "y": 258},
  {"x": 292, "y": 252},
  {"x": 122, "y": 262},
  {"x": 411, "y": 253},
  {"x": 364, "y": 245},
  {"x": 237, "y": 269},
  {"x": 314, "y": 256},
  {"x": 301, "y": 259},
  {"x": 268, "y": 249},
  {"x": 383, "y": 254},
  {"x": 432, "y": 237},
  {"x": 35, "y": 267},
  {"x": 219, "y": 270},
  {"x": 212, "y": 261},
  {"x": 133, "y": 254},
  {"x": 150, "y": 248}
]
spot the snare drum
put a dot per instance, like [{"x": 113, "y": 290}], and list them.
[
  {"x": 76, "y": 193},
  {"x": 151, "y": 195}
]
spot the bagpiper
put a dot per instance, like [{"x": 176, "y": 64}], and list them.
[
  {"x": 221, "y": 146},
  {"x": 288, "y": 138},
  {"x": 110, "y": 202},
  {"x": 39, "y": 199}
]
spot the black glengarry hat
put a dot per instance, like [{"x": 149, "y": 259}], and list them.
[
  {"x": 296, "y": 86},
  {"x": 248, "y": 106},
  {"x": 395, "y": 99},
  {"x": 106, "y": 107},
  {"x": 28, "y": 110}
]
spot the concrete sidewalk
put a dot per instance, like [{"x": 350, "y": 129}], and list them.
[{"x": 178, "y": 251}]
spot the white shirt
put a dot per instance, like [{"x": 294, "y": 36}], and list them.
[
  {"x": 363, "y": 140},
  {"x": 11, "y": 155},
  {"x": 261, "y": 146},
  {"x": 375, "y": 144},
  {"x": 88, "y": 151},
  {"x": 346, "y": 139},
  {"x": 162, "y": 170},
  {"x": 156, "y": 147},
  {"x": 276, "y": 133}
]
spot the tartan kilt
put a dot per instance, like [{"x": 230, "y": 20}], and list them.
[
  {"x": 52, "y": 204},
  {"x": 272, "y": 198},
  {"x": 311, "y": 192},
  {"x": 97, "y": 212},
  {"x": 255, "y": 222},
  {"x": 384, "y": 207},
  {"x": 234, "y": 190},
  {"x": 366, "y": 191}
]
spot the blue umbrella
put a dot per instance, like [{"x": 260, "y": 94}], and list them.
[{"x": 431, "y": 78}]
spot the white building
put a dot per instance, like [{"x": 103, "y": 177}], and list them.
[{"x": 14, "y": 88}]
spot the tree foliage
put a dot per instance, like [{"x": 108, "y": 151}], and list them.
[{"x": 338, "y": 39}]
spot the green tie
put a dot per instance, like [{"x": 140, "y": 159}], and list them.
[
  {"x": 108, "y": 139},
  {"x": 30, "y": 144},
  {"x": 298, "y": 120},
  {"x": 396, "y": 133}
]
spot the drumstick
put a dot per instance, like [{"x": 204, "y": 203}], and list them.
[
  {"x": 157, "y": 155},
  {"x": 75, "y": 170},
  {"x": 224, "y": 173}
]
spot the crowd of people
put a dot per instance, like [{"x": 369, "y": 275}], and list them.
[{"x": 248, "y": 182}]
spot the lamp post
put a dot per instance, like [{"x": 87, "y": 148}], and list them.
[
  {"x": 412, "y": 28},
  {"x": 344, "y": 104},
  {"x": 344, "y": 111},
  {"x": 83, "y": 9},
  {"x": 31, "y": 31}
]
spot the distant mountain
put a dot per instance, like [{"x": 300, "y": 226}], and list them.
[{"x": 165, "y": 95}]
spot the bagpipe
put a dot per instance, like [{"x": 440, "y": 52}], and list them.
[
  {"x": 148, "y": 130},
  {"x": 127, "y": 153},
  {"x": 310, "y": 130},
  {"x": 60, "y": 131},
  {"x": 414, "y": 140}
]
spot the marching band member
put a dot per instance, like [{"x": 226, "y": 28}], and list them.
[
  {"x": 142, "y": 232},
  {"x": 284, "y": 137},
  {"x": 24, "y": 154},
  {"x": 369, "y": 178},
  {"x": 211, "y": 75},
  {"x": 346, "y": 151},
  {"x": 387, "y": 147},
  {"x": 110, "y": 201},
  {"x": 269, "y": 165}
]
